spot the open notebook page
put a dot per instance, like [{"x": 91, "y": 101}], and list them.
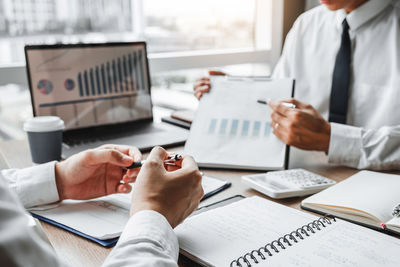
[
  {"x": 221, "y": 235},
  {"x": 341, "y": 244},
  {"x": 372, "y": 192},
  {"x": 104, "y": 217}
]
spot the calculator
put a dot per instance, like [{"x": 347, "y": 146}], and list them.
[{"x": 288, "y": 183}]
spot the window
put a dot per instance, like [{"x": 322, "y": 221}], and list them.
[
  {"x": 212, "y": 27},
  {"x": 183, "y": 37},
  {"x": 177, "y": 25}
]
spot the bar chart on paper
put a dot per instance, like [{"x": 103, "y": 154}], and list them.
[
  {"x": 91, "y": 86},
  {"x": 237, "y": 128},
  {"x": 230, "y": 130}
]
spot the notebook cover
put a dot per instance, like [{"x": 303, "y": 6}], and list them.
[
  {"x": 105, "y": 243},
  {"x": 211, "y": 193},
  {"x": 385, "y": 231}
]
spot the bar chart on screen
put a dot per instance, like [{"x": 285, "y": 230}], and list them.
[{"x": 92, "y": 86}]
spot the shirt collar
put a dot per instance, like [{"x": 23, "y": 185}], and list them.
[{"x": 362, "y": 14}]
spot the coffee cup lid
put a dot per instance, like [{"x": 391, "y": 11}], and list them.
[{"x": 44, "y": 124}]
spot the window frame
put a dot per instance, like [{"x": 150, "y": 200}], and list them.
[{"x": 273, "y": 9}]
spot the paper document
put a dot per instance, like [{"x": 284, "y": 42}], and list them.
[
  {"x": 102, "y": 218},
  {"x": 232, "y": 130}
]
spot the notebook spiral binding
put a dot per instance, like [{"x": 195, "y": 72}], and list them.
[{"x": 283, "y": 242}]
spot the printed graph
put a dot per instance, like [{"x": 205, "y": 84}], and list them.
[{"x": 239, "y": 128}]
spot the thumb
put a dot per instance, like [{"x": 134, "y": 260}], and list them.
[
  {"x": 112, "y": 156},
  {"x": 298, "y": 103},
  {"x": 158, "y": 154}
]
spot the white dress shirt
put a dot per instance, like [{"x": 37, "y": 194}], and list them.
[
  {"x": 147, "y": 240},
  {"x": 371, "y": 137},
  {"x": 371, "y": 142}
]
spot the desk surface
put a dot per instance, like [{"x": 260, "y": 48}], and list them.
[{"x": 78, "y": 251}]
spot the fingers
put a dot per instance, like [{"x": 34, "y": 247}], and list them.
[
  {"x": 188, "y": 162},
  {"x": 135, "y": 153},
  {"x": 277, "y": 107},
  {"x": 131, "y": 174},
  {"x": 106, "y": 155},
  {"x": 299, "y": 104},
  {"x": 124, "y": 188},
  {"x": 278, "y": 118},
  {"x": 178, "y": 162},
  {"x": 188, "y": 165},
  {"x": 216, "y": 73},
  {"x": 202, "y": 86},
  {"x": 172, "y": 168},
  {"x": 131, "y": 151},
  {"x": 127, "y": 150},
  {"x": 198, "y": 93},
  {"x": 114, "y": 183},
  {"x": 204, "y": 82},
  {"x": 157, "y": 154}
]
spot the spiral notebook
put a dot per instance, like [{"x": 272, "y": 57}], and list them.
[{"x": 259, "y": 232}]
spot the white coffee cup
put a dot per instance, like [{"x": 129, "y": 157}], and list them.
[{"x": 45, "y": 138}]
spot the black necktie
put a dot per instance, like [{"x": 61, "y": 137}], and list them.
[{"x": 341, "y": 79}]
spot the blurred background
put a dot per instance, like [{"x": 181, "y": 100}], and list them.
[{"x": 184, "y": 38}]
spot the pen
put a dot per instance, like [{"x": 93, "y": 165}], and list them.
[
  {"x": 264, "y": 102},
  {"x": 170, "y": 161}
]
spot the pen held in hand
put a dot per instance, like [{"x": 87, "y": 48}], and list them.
[
  {"x": 171, "y": 161},
  {"x": 265, "y": 102}
]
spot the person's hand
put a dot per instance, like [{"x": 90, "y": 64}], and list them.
[
  {"x": 174, "y": 194},
  {"x": 97, "y": 172},
  {"x": 203, "y": 85},
  {"x": 302, "y": 127}
]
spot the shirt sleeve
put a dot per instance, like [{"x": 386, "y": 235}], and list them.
[
  {"x": 20, "y": 243},
  {"x": 33, "y": 186},
  {"x": 375, "y": 149},
  {"x": 147, "y": 240}
]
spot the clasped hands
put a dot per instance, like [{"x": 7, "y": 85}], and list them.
[
  {"x": 173, "y": 191},
  {"x": 302, "y": 127}
]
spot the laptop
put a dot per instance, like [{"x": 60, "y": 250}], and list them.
[{"x": 101, "y": 91}]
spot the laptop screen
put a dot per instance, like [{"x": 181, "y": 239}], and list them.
[{"x": 90, "y": 85}]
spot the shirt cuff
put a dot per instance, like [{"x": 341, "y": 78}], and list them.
[
  {"x": 151, "y": 225},
  {"x": 35, "y": 185},
  {"x": 345, "y": 144}
]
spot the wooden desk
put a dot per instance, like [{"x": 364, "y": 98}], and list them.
[{"x": 78, "y": 251}]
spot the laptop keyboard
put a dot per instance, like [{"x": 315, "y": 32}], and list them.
[{"x": 94, "y": 135}]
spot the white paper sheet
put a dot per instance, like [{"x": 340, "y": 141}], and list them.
[
  {"x": 232, "y": 130},
  {"x": 104, "y": 217}
]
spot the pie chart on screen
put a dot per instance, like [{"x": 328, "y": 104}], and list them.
[
  {"x": 69, "y": 84},
  {"x": 45, "y": 87}
]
